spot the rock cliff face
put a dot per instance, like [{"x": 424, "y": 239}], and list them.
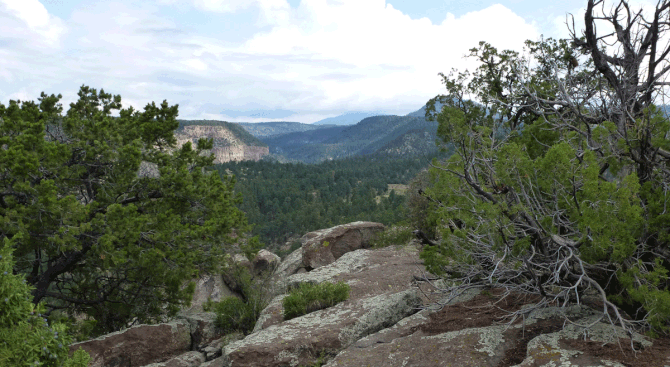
[
  {"x": 396, "y": 315},
  {"x": 227, "y": 146}
]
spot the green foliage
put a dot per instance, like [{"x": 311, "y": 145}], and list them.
[
  {"x": 107, "y": 216},
  {"x": 313, "y": 297},
  {"x": 27, "y": 338},
  {"x": 564, "y": 199},
  {"x": 417, "y": 204},
  {"x": 285, "y": 200},
  {"x": 233, "y": 314}
]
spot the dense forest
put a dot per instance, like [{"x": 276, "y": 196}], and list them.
[{"x": 287, "y": 200}]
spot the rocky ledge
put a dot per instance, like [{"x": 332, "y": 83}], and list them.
[{"x": 390, "y": 319}]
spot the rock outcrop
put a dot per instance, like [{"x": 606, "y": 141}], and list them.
[
  {"x": 324, "y": 246},
  {"x": 390, "y": 319},
  {"x": 300, "y": 341}
]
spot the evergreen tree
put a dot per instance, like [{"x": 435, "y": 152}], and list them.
[
  {"x": 107, "y": 217},
  {"x": 559, "y": 180}
]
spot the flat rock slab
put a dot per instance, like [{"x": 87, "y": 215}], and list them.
[
  {"x": 368, "y": 272},
  {"x": 322, "y": 247},
  {"x": 469, "y": 347},
  {"x": 300, "y": 341},
  {"x": 469, "y": 332},
  {"x": 139, "y": 345}
]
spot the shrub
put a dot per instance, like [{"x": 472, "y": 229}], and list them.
[
  {"x": 312, "y": 297},
  {"x": 233, "y": 314},
  {"x": 26, "y": 337}
]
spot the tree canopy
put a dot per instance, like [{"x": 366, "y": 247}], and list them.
[
  {"x": 106, "y": 215},
  {"x": 558, "y": 185}
]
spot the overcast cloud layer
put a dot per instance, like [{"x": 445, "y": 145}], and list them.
[{"x": 219, "y": 59}]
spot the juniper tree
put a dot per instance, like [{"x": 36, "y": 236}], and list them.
[
  {"x": 559, "y": 182},
  {"x": 91, "y": 233}
]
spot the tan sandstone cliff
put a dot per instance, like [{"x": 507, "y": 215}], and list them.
[{"x": 227, "y": 147}]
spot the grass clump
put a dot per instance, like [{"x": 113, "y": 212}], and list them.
[
  {"x": 239, "y": 314},
  {"x": 310, "y": 297},
  {"x": 233, "y": 314}
]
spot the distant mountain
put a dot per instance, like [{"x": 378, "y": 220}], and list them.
[
  {"x": 377, "y": 134},
  {"x": 422, "y": 111},
  {"x": 268, "y": 129},
  {"x": 350, "y": 118},
  {"x": 231, "y": 141}
]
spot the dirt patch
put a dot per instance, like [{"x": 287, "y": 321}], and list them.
[
  {"x": 520, "y": 338},
  {"x": 489, "y": 308},
  {"x": 655, "y": 356}
]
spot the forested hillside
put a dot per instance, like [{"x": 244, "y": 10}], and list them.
[{"x": 283, "y": 200}]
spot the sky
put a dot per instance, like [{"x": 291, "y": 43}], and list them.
[{"x": 259, "y": 60}]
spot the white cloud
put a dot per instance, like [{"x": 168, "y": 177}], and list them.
[
  {"x": 322, "y": 58},
  {"x": 272, "y": 11},
  {"x": 35, "y": 17},
  {"x": 393, "y": 54}
]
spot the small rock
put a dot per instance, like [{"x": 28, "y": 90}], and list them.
[{"x": 265, "y": 261}]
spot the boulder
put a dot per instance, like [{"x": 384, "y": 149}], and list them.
[
  {"x": 322, "y": 247},
  {"x": 368, "y": 272},
  {"x": 188, "y": 359},
  {"x": 203, "y": 329},
  {"x": 301, "y": 340},
  {"x": 139, "y": 345},
  {"x": 265, "y": 261}
]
